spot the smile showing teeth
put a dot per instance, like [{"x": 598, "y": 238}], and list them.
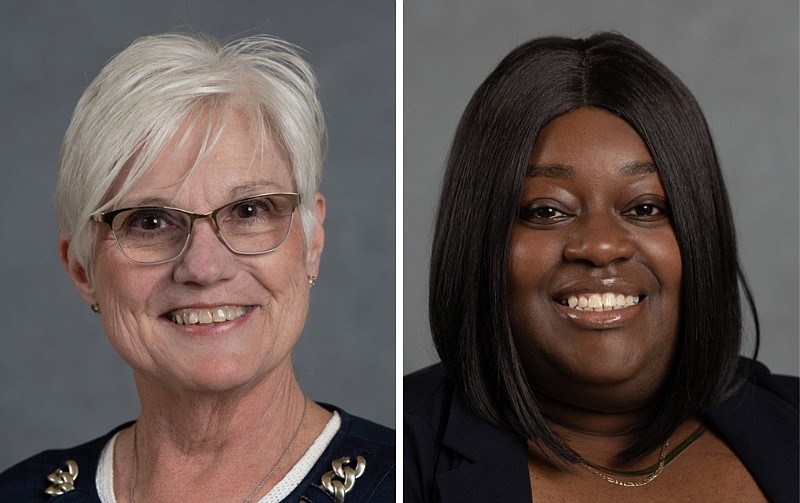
[
  {"x": 207, "y": 316},
  {"x": 600, "y": 301}
]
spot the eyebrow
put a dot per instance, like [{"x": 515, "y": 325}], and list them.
[
  {"x": 632, "y": 168},
  {"x": 255, "y": 188},
  {"x": 639, "y": 168},
  {"x": 550, "y": 171},
  {"x": 234, "y": 194}
]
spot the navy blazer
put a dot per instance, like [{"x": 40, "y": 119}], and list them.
[
  {"x": 452, "y": 455},
  {"x": 26, "y": 481}
]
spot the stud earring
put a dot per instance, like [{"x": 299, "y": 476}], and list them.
[
  {"x": 312, "y": 280},
  {"x": 95, "y": 308}
]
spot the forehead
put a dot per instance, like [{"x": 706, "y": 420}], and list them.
[
  {"x": 206, "y": 165},
  {"x": 586, "y": 137}
]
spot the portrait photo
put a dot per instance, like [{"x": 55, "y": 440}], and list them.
[
  {"x": 302, "y": 261},
  {"x": 600, "y": 203}
]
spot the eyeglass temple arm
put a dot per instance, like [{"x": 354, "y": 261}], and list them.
[{"x": 103, "y": 218}]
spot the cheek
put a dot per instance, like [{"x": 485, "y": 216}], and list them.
[
  {"x": 123, "y": 293},
  {"x": 532, "y": 258},
  {"x": 118, "y": 284},
  {"x": 292, "y": 258},
  {"x": 284, "y": 276},
  {"x": 124, "y": 290},
  {"x": 665, "y": 255}
]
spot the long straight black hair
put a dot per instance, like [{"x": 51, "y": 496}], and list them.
[{"x": 468, "y": 303}]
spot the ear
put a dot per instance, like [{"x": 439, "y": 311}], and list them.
[
  {"x": 76, "y": 272},
  {"x": 317, "y": 236}
]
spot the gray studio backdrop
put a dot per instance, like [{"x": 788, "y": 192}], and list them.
[
  {"x": 739, "y": 58},
  {"x": 60, "y": 381}
]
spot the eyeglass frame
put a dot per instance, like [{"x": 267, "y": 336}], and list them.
[{"x": 107, "y": 217}]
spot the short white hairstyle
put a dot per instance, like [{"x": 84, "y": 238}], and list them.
[{"x": 159, "y": 84}]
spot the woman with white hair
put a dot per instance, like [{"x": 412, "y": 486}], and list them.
[{"x": 191, "y": 223}]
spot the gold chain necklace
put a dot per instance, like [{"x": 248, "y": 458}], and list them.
[
  {"x": 652, "y": 472},
  {"x": 260, "y": 484},
  {"x": 624, "y": 483}
]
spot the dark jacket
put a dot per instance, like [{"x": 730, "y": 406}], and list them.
[
  {"x": 451, "y": 455},
  {"x": 26, "y": 482}
]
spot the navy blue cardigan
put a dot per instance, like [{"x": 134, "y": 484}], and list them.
[
  {"x": 451, "y": 455},
  {"x": 26, "y": 481}
]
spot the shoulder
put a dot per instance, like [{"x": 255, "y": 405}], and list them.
[
  {"x": 27, "y": 481},
  {"x": 760, "y": 423},
  {"x": 449, "y": 451},
  {"x": 357, "y": 434},
  {"x": 426, "y": 391},
  {"x": 783, "y": 386},
  {"x": 357, "y": 438},
  {"x": 785, "y": 389},
  {"x": 427, "y": 398},
  {"x": 427, "y": 395},
  {"x": 777, "y": 396}
]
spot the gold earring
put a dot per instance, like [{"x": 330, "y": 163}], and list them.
[
  {"x": 95, "y": 308},
  {"x": 312, "y": 280}
]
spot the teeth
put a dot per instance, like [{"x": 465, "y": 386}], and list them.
[
  {"x": 609, "y": 301},
  {"x": 600, "y": 301},
  {"x": 219, "y": 315},
  {"x": 207, "y": 316}
]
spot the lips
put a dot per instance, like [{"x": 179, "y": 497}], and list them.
[{"x": 599, "y": 303}]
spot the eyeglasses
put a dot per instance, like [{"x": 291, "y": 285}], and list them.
[{"x": 155, "y": 235}]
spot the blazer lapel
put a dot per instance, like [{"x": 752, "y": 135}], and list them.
[{"x": 495, "y": 466}]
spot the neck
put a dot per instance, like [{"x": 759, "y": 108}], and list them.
[
  {"x": 193, "y": 422},
  {"x": 201, "y": 446},
  {"x": 590, "y": 422},
  {"x": 597, "y": 436}
]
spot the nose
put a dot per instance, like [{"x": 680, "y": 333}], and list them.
[
  {"x": 206, "y": 260},
  {"x": 599, "y": 241}
]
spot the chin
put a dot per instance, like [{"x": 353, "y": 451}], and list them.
[
  {"x": 607, "y": 369},
  {"x": 215, "y": 374},
  {"x": 612, "y": 385},
  {"x": 217, "y": 384}
]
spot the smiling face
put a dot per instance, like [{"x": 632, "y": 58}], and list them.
[
  {"x": 250, "y": 308},
  {"x": 594, "y": 266}
]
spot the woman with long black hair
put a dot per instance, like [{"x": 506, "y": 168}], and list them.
[{"x": 585, "y": 299}]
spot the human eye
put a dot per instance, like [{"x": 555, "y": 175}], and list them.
[
  {"x": 149, "y": 220},
  {"x": 647, "y": 211},
  {"x": 544, "y": 213},
  {"x": 257, "y": 208}
]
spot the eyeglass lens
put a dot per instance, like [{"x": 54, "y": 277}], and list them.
[{"x": 254, "y": 225}]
